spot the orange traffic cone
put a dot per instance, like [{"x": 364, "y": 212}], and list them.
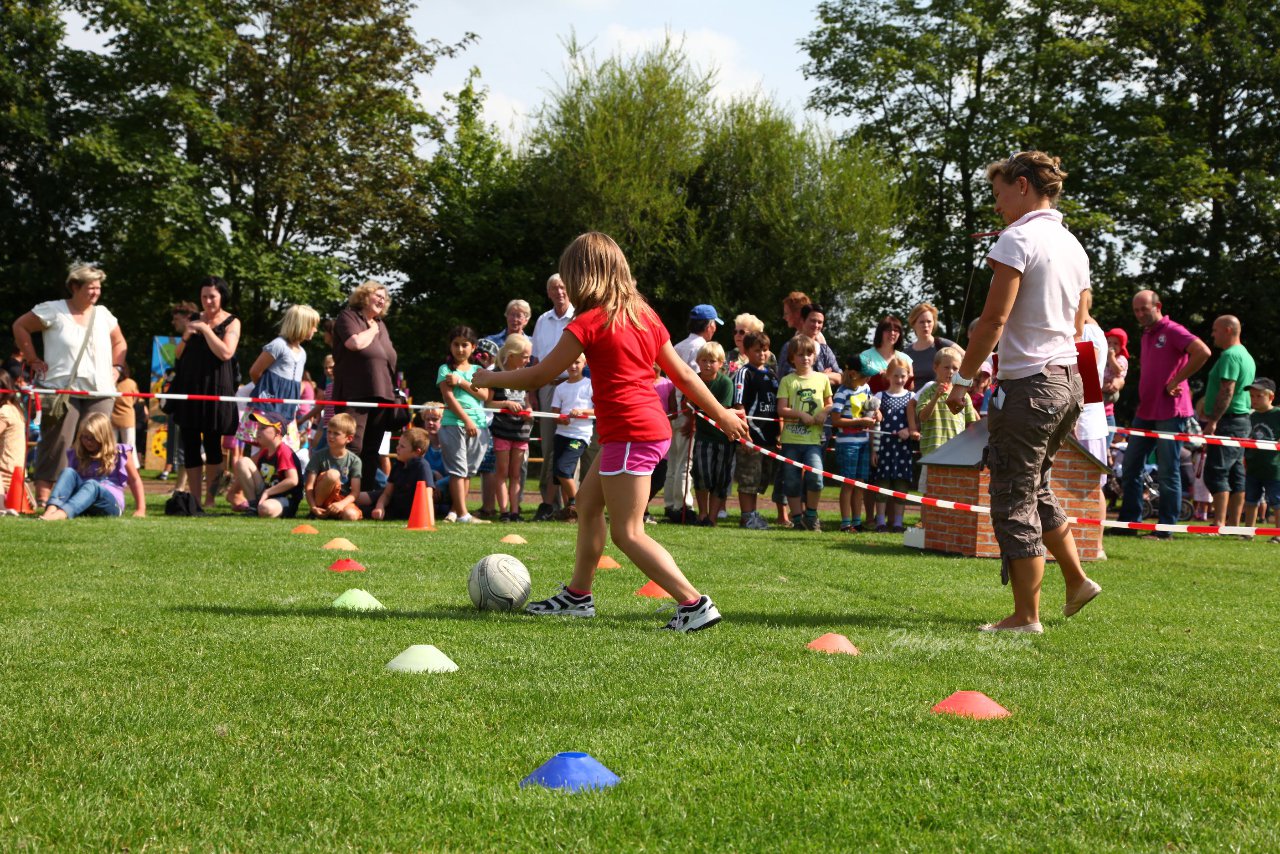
[
  {"x": 607, "y": 562},
  {"x": 16, "y": 499},
  {"x": 423, "y": 515},
  {"x": 834, "y": 644},
  {"x": 653, "y": 591}
]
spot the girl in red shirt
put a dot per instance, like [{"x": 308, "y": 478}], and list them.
[{"x": 622, "y": 338}]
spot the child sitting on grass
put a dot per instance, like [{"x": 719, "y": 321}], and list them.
[
  {"x": 712, "y": 450},
  {"x": 572, "y": 402},
  {"x": 97, "y": 470},
  {"x": 334, "y": 474},
  {"x": 13, "y": 432},
  {"x": 395, "y": 500},
  {"x": 804, "y": 400},
  {"x": 852, "y": 417},
  {"x": 272, "y": 483},
  {"x": 938, "y": 424}
]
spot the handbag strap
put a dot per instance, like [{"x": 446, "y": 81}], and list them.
[{"x": 84, "y": 345}]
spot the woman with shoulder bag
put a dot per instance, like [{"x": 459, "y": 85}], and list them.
[{"x": 84, "y": 350}]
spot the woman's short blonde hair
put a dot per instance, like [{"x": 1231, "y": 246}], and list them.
[
  {"x": 749, "y": 322},
  {"x": 298, "y": 322},
  {"x": 82, "y": 274},
  {"x": 921, "y": 309},
  {"x": 360, "y": 296}
]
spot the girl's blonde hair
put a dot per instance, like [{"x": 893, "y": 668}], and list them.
[
  {"x": 298, "y": 321},
  {"x": 515, "y": 343},
  {"x": 901, "y": 359},
  {"x": 596, "y": 274},
  {"x": 98, "y": 427}
]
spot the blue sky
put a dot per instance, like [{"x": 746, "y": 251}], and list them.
[{"x": 753, "y": 44}]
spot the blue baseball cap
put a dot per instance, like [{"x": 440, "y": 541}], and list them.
[{"x": 706, "y": 312}]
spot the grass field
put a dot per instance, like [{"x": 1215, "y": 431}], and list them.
[{"x": 184, "y": 684}]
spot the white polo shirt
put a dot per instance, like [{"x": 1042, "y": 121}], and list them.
[
  {"x": 547, "y": 333},
  {"x": 688, "y": 350},
  {"x": 1041, "y": 329}
]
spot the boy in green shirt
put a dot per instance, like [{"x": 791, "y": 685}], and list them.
[
  {"x": 804, "y": 400},
  {"x": 1262, "y": 468}
]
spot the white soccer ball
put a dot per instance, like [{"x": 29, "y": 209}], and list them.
[{"x": 498, "y": 583}]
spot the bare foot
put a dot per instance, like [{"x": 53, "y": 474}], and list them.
[{"x": 53, "y": 514}]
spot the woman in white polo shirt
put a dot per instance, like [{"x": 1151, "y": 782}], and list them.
[{"x": 1032, "y": 310}]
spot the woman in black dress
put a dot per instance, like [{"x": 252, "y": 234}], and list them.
[{"x": 206, "y": 365}]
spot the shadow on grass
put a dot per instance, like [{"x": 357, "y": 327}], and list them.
[{"x": 822, "y": 619}]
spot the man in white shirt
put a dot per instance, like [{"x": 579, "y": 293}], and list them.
[
  {"x": 546, "y": 334},
  {"x": 677, "y": 493}
]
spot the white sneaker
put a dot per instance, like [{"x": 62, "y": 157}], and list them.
[
  {"x": 451, "y": 517},
  {"x": 723, "y": 514},
  {"x": 565, "y": 604},
  {"x": 756, "y": 522},
  {"x": 703, "y": 614}
]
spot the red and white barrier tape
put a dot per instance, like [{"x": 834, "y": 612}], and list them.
[
  {"x": 1201, "y": 439},
  {"x": 226, "y": 398},
  {"x": 978, "y": 508}
]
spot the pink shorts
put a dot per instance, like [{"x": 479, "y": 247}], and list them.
[
  {"x": 638, "y": 458},
  {"x": 509, "y": 445}
]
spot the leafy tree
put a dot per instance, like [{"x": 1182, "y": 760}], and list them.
[
  {"x": 781, "y": 207},
  {"x": 480, "y": 252},
  {"x": 275, "y": 143},
  {"x": 945, "y": 88},
  {"x": 39, "y": 209}
]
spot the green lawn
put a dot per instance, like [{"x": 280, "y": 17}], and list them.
[{"x": 183, "y": 684}]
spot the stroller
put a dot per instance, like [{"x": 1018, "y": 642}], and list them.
[{"x": 1113, "y": 488}]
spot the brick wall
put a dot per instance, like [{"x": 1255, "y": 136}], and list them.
[{"x": 1076, "y": 482}]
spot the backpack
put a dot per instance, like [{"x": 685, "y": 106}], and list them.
[{"x": 183, "y": 504}]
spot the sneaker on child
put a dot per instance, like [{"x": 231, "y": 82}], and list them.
[
  {"x": 564, "y": 603},
  {"x": 702, "y": 614}
]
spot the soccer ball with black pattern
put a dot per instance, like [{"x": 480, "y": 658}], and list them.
[{"x": 499, "y": 583}]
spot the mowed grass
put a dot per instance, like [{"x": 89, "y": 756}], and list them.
[{"x": 184, "y": 684}]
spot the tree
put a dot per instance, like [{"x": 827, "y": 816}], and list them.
[
  {"x": 275, "y": 143},
  {"x": 945, "y": 88},
  {"x": 780, "y": 207},
  {"x": 731, "y": 203},
  {"x": 39, "y": 210}
]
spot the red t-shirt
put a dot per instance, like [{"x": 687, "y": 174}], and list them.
[{"x": 622, "y": 358}]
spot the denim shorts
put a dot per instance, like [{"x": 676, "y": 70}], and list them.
[
  {"x": 462, "y": 453},
  {"x": 1223, "y": 465},
  {"x": 853, "y": 460},
  {"x": 1254, "y": 489},
  {"x": 797, "y": 481}
]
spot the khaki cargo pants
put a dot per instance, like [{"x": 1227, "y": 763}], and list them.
[{"x": 1029, "y": 420}]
